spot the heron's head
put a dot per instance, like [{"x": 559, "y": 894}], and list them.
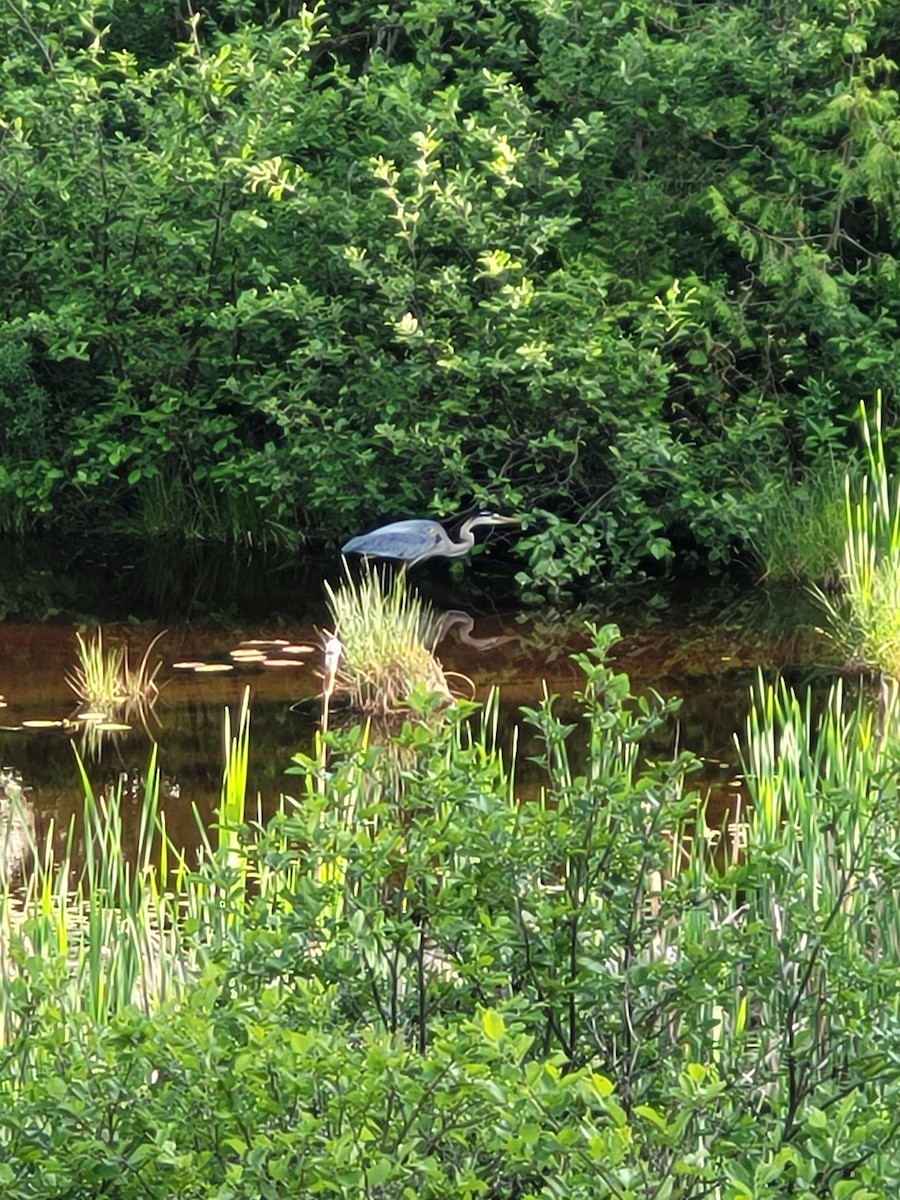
[{"x": 488, "y": 517}]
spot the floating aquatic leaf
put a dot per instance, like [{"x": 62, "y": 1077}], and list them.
[
  {"x": 112, "y": 727},
  {"x": 265, "y": 642},
  {"x": 188, "y": 664},
  {"x": 213, "y": 668},
  {"x": 298, "y": 649},
  {"x": 281, "y": 662},
  {"x": 42, "y": 724}
]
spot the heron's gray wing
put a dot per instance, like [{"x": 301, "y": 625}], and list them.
[{"x": 403, "y": 539}]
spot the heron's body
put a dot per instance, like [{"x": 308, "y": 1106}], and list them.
[{"x": 412, "y": 541}]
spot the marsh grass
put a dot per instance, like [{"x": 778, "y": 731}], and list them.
[
  {"x": 386, "y": 632},
  {"x": 171, "y": 505},
  {"x": 110, "y": 929},
  {"x": 107, "y": 922},
  {"x": 864, "y": 616},
  {"x": 823, "y": 791},
  {"x": 797, "y": 892},
  {"x": 105, "y": 678},
  {"x": 801, "y": 535},
  {"x": 95, "y": 920}
]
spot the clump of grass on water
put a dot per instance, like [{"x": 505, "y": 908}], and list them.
[
  {"x": 105, "y": 678},
  {"x": 383, "y": 630}
]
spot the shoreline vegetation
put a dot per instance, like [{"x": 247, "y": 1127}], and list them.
[{"x": 415, "y": 980}]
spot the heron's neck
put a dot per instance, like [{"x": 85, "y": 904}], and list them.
[{"x": 466, "y": 537}]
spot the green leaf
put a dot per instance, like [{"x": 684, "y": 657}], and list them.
[
  {"x": 650, "y": 1114},
  {"x": 378, "y": 1172},
  {"x": 816, "y": 1118},
  {"x": 530, "y": 1133},
  {"x": 493, "y": 1024}
]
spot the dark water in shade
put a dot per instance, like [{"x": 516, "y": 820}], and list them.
[{"x": 703, "y": 643}]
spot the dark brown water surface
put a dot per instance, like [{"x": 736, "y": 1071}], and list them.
[{"x": 703, "y": 644}]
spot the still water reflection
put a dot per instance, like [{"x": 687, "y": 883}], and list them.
[{"x": 703, "y": 644}]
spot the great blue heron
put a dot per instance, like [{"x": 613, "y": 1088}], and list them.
[{"x": 412, "y": 541}]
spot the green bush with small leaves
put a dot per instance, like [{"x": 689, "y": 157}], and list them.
[{"x": 283, "y": 270}]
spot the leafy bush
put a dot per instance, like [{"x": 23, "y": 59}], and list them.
[
  {"x": 288, "y": 268},
  {"x": 29, "y": 481}
]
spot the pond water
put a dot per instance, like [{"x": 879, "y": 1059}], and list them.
[{"x": 703, "y": 643}]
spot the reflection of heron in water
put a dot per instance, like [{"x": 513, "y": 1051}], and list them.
[
  {"x": 17, "y": 827},
  {"x": 413, "y": 541},
  {"x": 441, "y": 624}
]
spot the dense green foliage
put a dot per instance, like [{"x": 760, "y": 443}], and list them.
[
  {"x": 420, "y": 983},
  {"x": 270, "y": 268}
]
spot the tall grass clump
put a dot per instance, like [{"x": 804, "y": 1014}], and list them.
[
  {"x": 105, "y": 678},
  {"x": 824, "y": 816},
  {"x": 170, "y": 506},
  {"x": 95, "y": 918},
  {"x": 385, "y": 633},
  {"x": 116, "y": 921},
  {"x": 822, "y": 788},
  {"x": 864, "y": 617},
  {"x": 800, "y": 536}
]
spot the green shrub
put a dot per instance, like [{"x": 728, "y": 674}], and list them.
[
  {"x": 29, "y": 481},
  {"x": 284, "y": 270}
]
